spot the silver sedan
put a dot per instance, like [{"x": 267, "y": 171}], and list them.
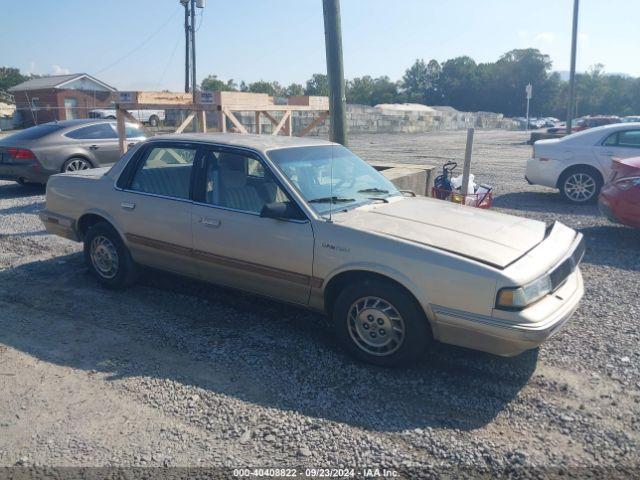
[{"x": 34, "y": 154}]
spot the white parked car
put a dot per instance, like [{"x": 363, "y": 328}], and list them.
[
  {"x": 579, "y": 164},
  {"x": 151, "y": 117}
]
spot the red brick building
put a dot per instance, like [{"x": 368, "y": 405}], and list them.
[{"x": 60, "y": 97}]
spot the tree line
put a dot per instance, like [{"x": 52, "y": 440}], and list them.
[
  {"x": 460, "y": 83},
  {"x": 465, "y": 85}
]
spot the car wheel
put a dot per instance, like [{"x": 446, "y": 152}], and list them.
[
  {"x": 108, "y": 258},
  {"x": 580, "y": 185},
  {"x": 154, "y": 120},
  {"x": 75, "y": 164},
  {"x": 381, "y": 323}
]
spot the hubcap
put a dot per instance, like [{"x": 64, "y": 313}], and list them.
[
  {"x": 375, "y": 326},
  {"x": 104, "y": 257},
  {"x": 75, "y": 165},
  {"x": 580, "y": 187}
]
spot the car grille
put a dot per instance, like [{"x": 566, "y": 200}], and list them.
[{"x": 560, "y": 274}]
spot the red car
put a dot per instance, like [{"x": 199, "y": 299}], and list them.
[{"x": 619, "y": 199}]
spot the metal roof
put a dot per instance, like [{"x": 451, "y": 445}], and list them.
[
  {"x": 55, "y": 81},
  {"x": 261, "y": 143}
]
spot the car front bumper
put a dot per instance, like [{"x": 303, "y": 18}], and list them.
[
  {"x": 27, "y": 171},
  {"x": 512, "y": 333}
]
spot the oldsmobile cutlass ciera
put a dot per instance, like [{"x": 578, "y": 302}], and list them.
[{"x": 308, "y": 222}]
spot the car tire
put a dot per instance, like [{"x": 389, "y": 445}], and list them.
[
  {"x": 381, "y": 323},
  {"x": 154, "y": 120},
  {"x": 108, "y": 258},
  {"x": 75, "y": 164},
  {"x": 580, "y": 185}
]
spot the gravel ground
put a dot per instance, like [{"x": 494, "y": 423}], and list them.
[{"x": 177, "y": 373}]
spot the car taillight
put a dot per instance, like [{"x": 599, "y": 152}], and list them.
[
  {"x": 627, "y": 183},
  {"x": 21, "y": 154}
]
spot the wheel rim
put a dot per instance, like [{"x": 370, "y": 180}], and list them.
[
  {"x": 376, "y": 326},
  {"x": 75, "y": 165},
  {"x": 580, "y": 187},
  {"x": 104, "y": 257}
]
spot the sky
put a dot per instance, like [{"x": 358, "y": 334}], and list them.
[{"x": 139, "y": 44}]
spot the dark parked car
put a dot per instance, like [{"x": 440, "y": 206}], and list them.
[{"x": 34, "y": 154}]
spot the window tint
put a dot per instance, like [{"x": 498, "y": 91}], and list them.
[
  {"x": 93, "y": 132},
  {"x": 630, "y": 138},
  {"x": 38, "y": 131},
  {"x": 611, "y": 140},
  {"x": 165, "y": 171},
  {"x": 133, "y": 131},
  {"x": 240, "y": 182}
]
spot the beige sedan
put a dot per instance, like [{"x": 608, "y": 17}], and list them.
[{"x": 307, "y": 222}]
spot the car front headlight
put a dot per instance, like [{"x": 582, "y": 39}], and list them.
[
  {"x": 627, "y": 183},
  {"x": 517, "y": 298}
]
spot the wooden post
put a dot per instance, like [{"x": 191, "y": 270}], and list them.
[
  {"x": 122, "y": 137},
  {"x": 202, "y": 114},
  {"x": 222, "y": 121},
  {"x": 288, "y": 124},
  {"x": 257, "y": 115},
  {"x": 466, "y": 170}
]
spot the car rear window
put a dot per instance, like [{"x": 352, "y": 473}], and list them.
[{"x": 36, "y": 132}]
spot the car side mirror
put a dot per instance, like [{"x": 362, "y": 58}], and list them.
[{"x": 282, "y": 211}]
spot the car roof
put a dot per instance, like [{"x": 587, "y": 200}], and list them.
[
  {"x": 78, "y": 122},
  {"x": 261, "y": 143}
]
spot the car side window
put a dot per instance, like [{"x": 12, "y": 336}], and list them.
[
  {"x": 100, "y": 131},
  {"x": 629, "y": 139},
  {"x": 165, "y": 171},
  {"x": 240, "y": 182},
  {"x": 133, "y": 131},
  {"x": 611, "y": 141}
]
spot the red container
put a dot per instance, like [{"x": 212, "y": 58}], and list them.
[{"x": 478, "y": 200}]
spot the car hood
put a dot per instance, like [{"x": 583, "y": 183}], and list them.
[{"x": 488, "y": 237}]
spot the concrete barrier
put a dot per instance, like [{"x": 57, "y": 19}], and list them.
[{"x": 406, "y": 176}]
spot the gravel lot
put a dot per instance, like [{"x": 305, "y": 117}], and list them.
[{"x": 177, "y": 373}]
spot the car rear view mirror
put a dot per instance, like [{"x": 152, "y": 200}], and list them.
[{"x": 282, "y": 211}]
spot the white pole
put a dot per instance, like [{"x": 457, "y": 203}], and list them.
[{"x": 466, "y": 170}]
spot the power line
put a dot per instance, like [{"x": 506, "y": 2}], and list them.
[{"x": 140, "y": 45}]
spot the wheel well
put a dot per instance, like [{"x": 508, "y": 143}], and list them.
[
  {"x": 87, "y": 221},
  {"x": 581, "y": 167},
  {"x": 337, "y": 283},
  {"x": 83, "y": 157}
]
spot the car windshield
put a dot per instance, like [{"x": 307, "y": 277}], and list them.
[{"x": 331, "y": 177}]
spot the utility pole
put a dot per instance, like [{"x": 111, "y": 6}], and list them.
[
  {"x": 572, "y": 76},
  {"x": 528, "y": 90},
  {"x": 335, "y": 70},
  {"x": 193, "y": 49},
  {"x": 185, "y": 4}
]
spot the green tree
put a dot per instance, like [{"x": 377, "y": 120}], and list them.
[
  {"x": 262, "y": 86},
  {"x": 295, "y": 89},
  {"x": 421, "y": 83},
  {"x": 213, "y": 84},
  {"x": 318, "y": 84},
  {"x": 10, "y": 77}
]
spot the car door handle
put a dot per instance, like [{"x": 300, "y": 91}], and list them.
[
  {"x": 210, "y": 222},
  {"x": 94, "y": 147},
  {"x": 128, "y": 205}
]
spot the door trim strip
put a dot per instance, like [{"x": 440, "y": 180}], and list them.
[{"x": 228, "y": 262}]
